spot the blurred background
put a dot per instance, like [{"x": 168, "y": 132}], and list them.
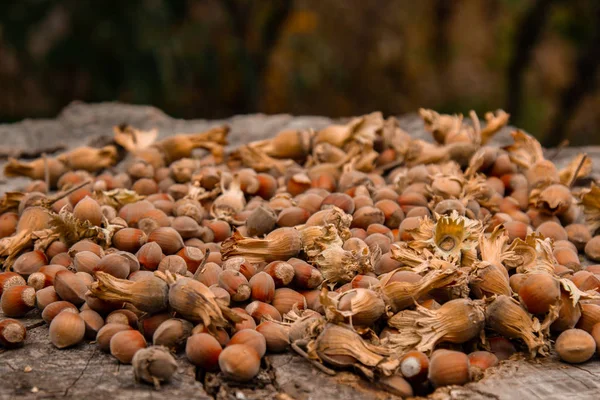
[{"x": 537, "y": 59}]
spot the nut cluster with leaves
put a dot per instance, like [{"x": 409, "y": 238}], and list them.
[{"x": 417, "y": 264}]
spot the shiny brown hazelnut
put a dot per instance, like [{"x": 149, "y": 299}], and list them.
[{"x": 67, "y": 329}]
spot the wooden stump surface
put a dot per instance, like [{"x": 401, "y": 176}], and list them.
[{"x": 38, "y": 370}]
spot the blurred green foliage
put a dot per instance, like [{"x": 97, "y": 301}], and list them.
[{"x": 215, "y": 58}]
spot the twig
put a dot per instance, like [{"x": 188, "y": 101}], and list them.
[
  {"x": 201, "y": 266},
  {"x": 579, "y": 166},
  {"x": 559, "y": 148},
  {"x": 61, "y": 195}
]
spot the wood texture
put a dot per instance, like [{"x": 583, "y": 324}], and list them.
[{"x": 38, "y": 370}]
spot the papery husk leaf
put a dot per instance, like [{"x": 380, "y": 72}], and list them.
[
  {"x": 365, "y": 162},
  {"x": 401, "y": 295},
  {"x": 259, "y": 161},
  {"x": 476, "y": 188},
  {"x": 196, "y": 302},
  {"x": 317, "y": 238},
  {"x": 280, "y": 244},
  {"x": 291, "y": 143},
  {"x": 181, "y": 145},
  {"x": 342, "y": 347},
  {"x": 89, "y": 158},
  {"x": 406, "y": 255},
  {"x": 35, "y": 169},
  {"x": 395, "y": 137},
  {"x": 493, "y": 248},
  {"x": 230, "y": 202},
  {"x": 10, "y": 201},
  {"x": 507, "y": 317},
  {"x": 340, "y": 266},
  {"x": 44, "y": 238},
  {"x": 488, "y": 279},
  {"x": 198, "y": 193},
  {"x": 531, "y": 255},
  {"x": 575, "y": 294},
  {"x": 366, "y": 307},
  {"x": 117, "y": 198},
  {"x": 152, "y": 299},
  {"x": 457, "y": 321},
  {"x": 71, "y": 229},
  {"x": 326, "y": 153},
  {"x": 420, "y": 152},
  {"x": 441, "y": 125},
  {"x": 338, "y": 218},
  {"x": 12, "y": 246},
  {"x": 475, "y": 163},
  {"x": 525, "y": 151},
  {"x": 132, "y": 139},
  {"x": 494, "y": 123},
  {"x": 590, "y": 201},
  {"x": 461, "y": 233}
]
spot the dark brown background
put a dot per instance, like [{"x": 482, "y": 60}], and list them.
[{"x": 538, "y": 59}]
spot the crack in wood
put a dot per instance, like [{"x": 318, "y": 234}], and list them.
[
  {"x": 585, "y": 370},
  {"x": 89, "y": 360}
]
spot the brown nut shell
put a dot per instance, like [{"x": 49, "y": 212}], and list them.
[
  {"x": 124, "y": 345},
  {"x": 67, "y": 329},
  {"x": 575, "y": 346},
  {"x": 12, "y": 333},
  {"x": 17, "y": 300},
  {"x": 239, "y": 362},
  {"x": 203, "y": 351}
]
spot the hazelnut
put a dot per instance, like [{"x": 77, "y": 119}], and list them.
[
  {"x": 124, "y": 345},
  {"x": 67, "y": 329},
  {"x": 239, "y": 362}
]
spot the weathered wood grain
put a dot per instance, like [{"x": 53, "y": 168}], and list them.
[{"x": 86, "y": 373}]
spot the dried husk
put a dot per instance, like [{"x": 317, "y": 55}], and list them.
[
  {"x": 449, "y": 238},
  {"x": 317, "y": 238},
  {"x": 89, "y": 159},
  {"x": 259, "y": 161},
  {"x": 534, "y": 254},
  {"x": 402, "y": 252},
  {"x": 36, "y": 169},
  {"x": 149, "y": 294},
  {"x": 280, "y": 244},
  {"x": 489, "y": 279},
  {"x": 342, "y": 347},
  {"x": 494, "y": 247},
  {"x": 525, "y": 151},
  {"x": 291, "y": 143},
  {"x": 552, "y": 200},
  {"x": 441, "y": 125},
  {"x": 196, "y": 302},
  {"x": 132, "y": 139},
  {"x": 117, "y": 198},
  {"x": 332, "y": 216},
  {"x": 401, "y": 295},
  {"x": 340, "y": 266},
  {"x": 154, "y": 365},
  {"x": 181, "y": 145},
  {"x": 506, "y": 316},
  {"x": 230, "y": 202},
  {"x": 457, "y": 321},
  {"x": 363, "y": 308},
  {"x": 71, "y": 230},
  {"x": 590, "y": 201}
]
